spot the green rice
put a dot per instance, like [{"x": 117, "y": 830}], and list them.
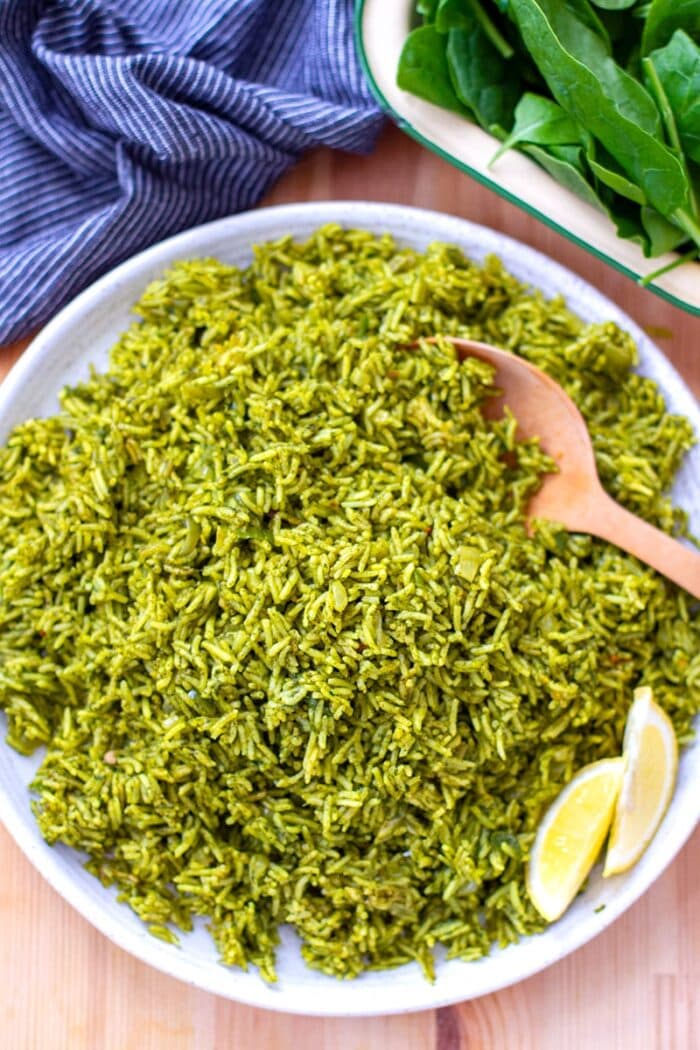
[{"x": 267, "y": 599}]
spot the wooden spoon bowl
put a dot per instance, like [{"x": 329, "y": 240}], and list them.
[{"x": 574, "y": 496}]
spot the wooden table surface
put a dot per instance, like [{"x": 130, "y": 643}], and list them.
[{"x": 63, "y": 985}]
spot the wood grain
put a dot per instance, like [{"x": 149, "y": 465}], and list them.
[{"x": 65, "y": 987}]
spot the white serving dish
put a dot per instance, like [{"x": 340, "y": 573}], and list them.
[
  {"x": 83, "y": 333},
  {"x": 381, "y": 28}
]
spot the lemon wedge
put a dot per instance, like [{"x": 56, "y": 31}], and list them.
[
  {"x": 650, "y": 753},
  {"x": 570, "y": 836}
]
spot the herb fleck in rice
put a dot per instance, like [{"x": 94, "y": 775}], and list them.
[{"x": 267, "y": 599}]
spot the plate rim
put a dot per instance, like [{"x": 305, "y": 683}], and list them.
[
  {"x": 163, "y": 957},
  {"x": 405, "y": 125}
]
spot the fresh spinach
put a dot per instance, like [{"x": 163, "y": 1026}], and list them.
[
  {"x": 452, "y": 14},
  {"x": 491, "y": 31},
  {"x": 658, "y": 89},
  {"x": 628, "y": 222},
  {"x": 567, "y": 173},
  {"x": 665, "y": 17},
  {"x": 610, "y": 104},
  {"x": 603, "y": 94},
  {"x": 567, "y": 164},
  {"x": 423, "y": 69},
  {"x": 607, "y": 171},
  {"x": 677, "y": 66},
  {"x": 464, "y": 14},
  {"x": 583, "y": 12},
  {"x": 481, "y": 77},
  {"x": 540, "y": 122},
  {"x": 573, "y": 155},
  {"x": 573, "y": 60},
  {"x": 664, "y": 236}
]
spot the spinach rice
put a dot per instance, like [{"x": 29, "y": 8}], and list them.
[{"x": 267, "y": 599}]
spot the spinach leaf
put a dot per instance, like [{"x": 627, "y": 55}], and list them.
[
  {"x": 568, "y": 169},
  {"x": 628, "y": 223},
  {"x": 609, "y": 103},
  {"x": 606, "y": 170},
  {"x": 540, "y": 121},
  {"x": 562, "y": 44},
  {"x": 461, "y": 14},
  {"x": 423, "y": 69},
  {"x": 581, "y": 11},
  {"x": 452, "y": 14},
  {"x": 658, "y": 89},
  {"x": 664, "y": 236},
  {"x": 491, "y": 30},
  {"x": 572, "y": 155},
  {"x": 482, "y": 79},
  {"x": 602, "y": 133},
  {"x": 677, "y": 66},
  {"x": 665, "y": 16},
  {"x": 567, "y": 174}
]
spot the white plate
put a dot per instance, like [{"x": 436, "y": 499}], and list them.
[
  {"x": 382, "y": 26},
  {"x": 83, "y": 333}
]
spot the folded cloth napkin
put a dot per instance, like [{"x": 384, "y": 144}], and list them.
[{"x": 123, "y": 121}]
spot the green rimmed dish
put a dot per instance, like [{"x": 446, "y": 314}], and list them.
[{"x": 381, "y": 28}]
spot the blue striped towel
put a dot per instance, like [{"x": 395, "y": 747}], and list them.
[{"x": 123, "y": 121}]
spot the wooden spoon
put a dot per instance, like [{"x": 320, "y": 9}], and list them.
[{"x": 574, "y": 496}]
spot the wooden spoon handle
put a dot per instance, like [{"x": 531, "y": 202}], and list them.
[{"x": 610, "y": 521}]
